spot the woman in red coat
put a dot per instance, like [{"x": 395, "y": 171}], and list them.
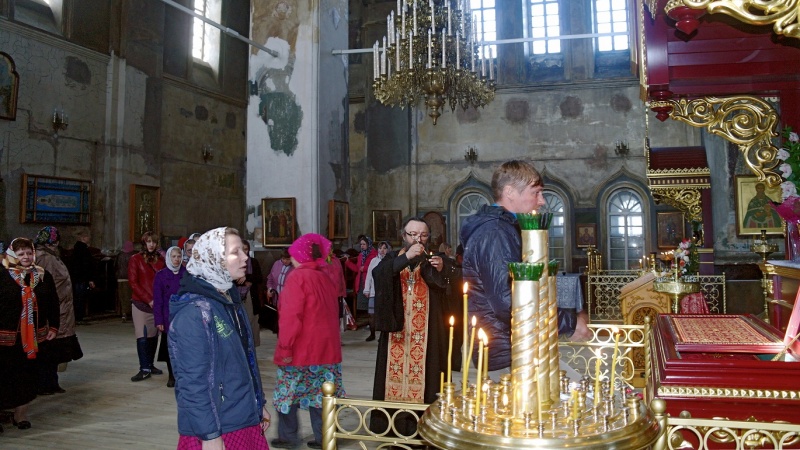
[
  {"x": 309, "y": 350},
  {"x": 363, "y": 259},
  {"x": 142, "y": 270}
]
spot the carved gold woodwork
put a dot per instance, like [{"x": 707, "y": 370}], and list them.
[
  {"x": 783, "y": 15},
  {"x": 686, "y": 200},
  {"x": 747, "y": 121}
]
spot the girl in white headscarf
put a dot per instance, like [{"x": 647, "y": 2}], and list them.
[{"x": 217, "y": 381}]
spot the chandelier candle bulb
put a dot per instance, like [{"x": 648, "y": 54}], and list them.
[
  {"x": 450, "y": 352},
  {"x": 464, "y": 358},
  {"x": 415, "y": 18},
  {"x": 410, "y": 51},
  {"x": 403, "y": 20},
  {"x": 491, "y": 64},
  {"x": 458, "y": 50},
  {"x": 444, "y": 50},
  {"x": 433, "y": 17},
  {"x": 449, "y": 19},
  {"x": 397, "y": 50},
  {"x": 429, "y": 48}
]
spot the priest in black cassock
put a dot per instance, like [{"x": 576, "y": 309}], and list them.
[{"x": 412, "y": 312}]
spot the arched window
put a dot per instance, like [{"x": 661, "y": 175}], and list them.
[
  {"x": 468, "y": 205},
  {"x": 625, "y": 230},
  {"x": 555, "y": 204}
]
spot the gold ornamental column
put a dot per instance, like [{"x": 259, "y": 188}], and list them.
[
  {"x": 525, "y": 337},
  {"x": 552, "y": 334}
]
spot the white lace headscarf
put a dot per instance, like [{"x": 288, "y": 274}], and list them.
[
  {"x": 174, "y": 269},
  {"x": 208, "y": 259}
]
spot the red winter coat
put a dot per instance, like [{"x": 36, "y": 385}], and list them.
[
  {"x": 361, "y": 275},
  {"x": 308, "y": 317},
  {"x": 141, "y": 276}
]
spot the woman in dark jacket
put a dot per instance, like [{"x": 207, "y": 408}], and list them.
[
  {"x": 29, "y": 317},
  {"x": 217, "y": 382}
]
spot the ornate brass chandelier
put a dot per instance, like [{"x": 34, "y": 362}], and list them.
[{"x": 430, "y": 50}]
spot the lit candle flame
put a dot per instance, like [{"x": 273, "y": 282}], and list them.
[
  {"x": 452, "y": 321},
  {"x": 474, "y": 321},
  {"x": 466, "y": 287}
]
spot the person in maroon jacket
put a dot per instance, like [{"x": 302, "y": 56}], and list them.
[
  {"x": 142, "y": 270},
  {"x": 360, "y": 267},
  {"x": 309, "y": 350}
]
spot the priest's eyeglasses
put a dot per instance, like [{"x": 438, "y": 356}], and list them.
[{"x": 414, "y": 235}]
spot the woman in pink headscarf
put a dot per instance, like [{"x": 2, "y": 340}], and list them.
[{"x": 309, "y": 350}]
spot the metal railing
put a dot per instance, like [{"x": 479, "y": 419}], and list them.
[{"x": 603, "y": 302}]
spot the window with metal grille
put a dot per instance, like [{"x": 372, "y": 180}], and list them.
[
  {"x": 544, "y": 22},
  {"x": 625, "y": 230},
  {"x": 611, "y": 16},
  {"x": 557, "y": 237}
]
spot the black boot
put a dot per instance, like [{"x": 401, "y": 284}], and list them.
[
  {"x": 152, "y": 347},
  {"x": 371, "y": 336},
  {"x": 144, "y": 361}
]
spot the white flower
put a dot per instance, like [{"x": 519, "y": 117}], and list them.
[
  {"x": 786, "y": 169},
  {"x": 788, "y": 189},
  {"x": 793, "y": 137},
  {"x": 783, "y": 154}
]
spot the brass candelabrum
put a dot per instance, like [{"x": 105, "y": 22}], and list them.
[
  {"x": 537, "y": 405},
  {"x": 764, "y": 249},
  {"x": 431, "y": 51}
]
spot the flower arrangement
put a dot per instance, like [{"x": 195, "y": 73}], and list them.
[
  {"x": 790, "y": 169},
  {"x": 687, "y": 258}
]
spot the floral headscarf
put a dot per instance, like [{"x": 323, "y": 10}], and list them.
[
  {"x": 302, "y": 248},
  {"x": 174, "y": 269},
  {"x": 365, "y": 253},
  {"x": 48, "y": 235},
  {"x": 208, "y": 259}
]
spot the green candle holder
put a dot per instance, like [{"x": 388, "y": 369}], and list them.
[
  {"x": 526, "y": 271},
  {"x": 538, "y": 221}
]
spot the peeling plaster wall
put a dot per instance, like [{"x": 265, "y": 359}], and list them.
[
  {"x": 53, "y": 74},
  {"x": 296, "y": 117},
  {"x": 190, "y": 120}
]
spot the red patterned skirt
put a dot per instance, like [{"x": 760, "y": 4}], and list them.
[{"x": 249, "y": 438}]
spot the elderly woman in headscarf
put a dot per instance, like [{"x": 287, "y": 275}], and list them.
[
  {"x": 365, "y": 256},
  {"x": 142, "y": 269},
  {"x": 28, "y": 318},
  {"x": 166, "y": 284},
  {"x": 309, "y": 350},
  {"x": 217, "y": 382},
  {"x": 65, "y": 347}
]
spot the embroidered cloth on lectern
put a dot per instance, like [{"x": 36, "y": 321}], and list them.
[
  {"x": 405, "y": 371},
  {"x": 715, "y": 329}
]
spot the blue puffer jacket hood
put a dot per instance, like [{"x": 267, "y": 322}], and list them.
[{"x": 491, "y": 240}]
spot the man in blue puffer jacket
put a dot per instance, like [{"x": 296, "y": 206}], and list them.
[{"x": 491, "y": 240}]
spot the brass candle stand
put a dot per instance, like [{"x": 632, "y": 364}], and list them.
[
  {"x": 618, "y": 423},
  {"x": 764, "y": 249},
  {"x": 531, "y": 407}
]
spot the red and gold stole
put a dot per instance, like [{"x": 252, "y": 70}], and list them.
[{"x": 405, "y": 370}]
